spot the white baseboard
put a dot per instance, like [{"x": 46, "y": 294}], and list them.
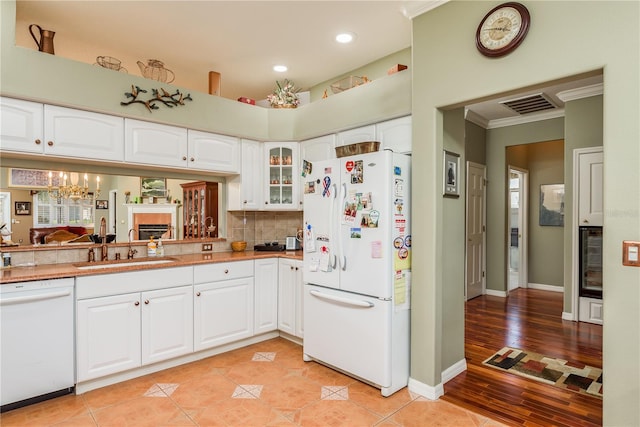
[
  {"x": 431, "y": 393},
  {"x": 568, "y": 316},
  {"x": 454, "y": 370},
  {"x": 494, "y": 293},
  {"x": 543, "y": 287}
]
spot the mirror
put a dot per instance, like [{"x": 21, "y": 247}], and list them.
[{"x": 120, "y": 197}]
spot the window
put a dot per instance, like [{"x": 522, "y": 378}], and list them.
[{"x": 52, "y": 212}]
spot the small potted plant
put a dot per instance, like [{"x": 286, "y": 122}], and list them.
[{"x": 284, "y": 96}]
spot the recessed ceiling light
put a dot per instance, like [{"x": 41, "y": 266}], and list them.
[
  {"x": 345, "y": 37},
  {"x": 280, "y": 68}
]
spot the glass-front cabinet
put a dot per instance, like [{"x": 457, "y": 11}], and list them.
[{"x": 281, "y": 176}]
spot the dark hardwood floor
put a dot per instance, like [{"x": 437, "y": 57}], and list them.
[{"x": 529, "y": 320}]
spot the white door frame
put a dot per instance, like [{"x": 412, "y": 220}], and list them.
[
  {"x": 484, "y": 228},
  {"x": 523, "y": 238},
  {"x": 575, "y": 297}
]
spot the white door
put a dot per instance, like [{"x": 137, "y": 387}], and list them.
[
  {"x": 21, "y": 125},
  {"x": 320, "y": 224},
  {"x": 590, "y": 197},
  {"x": 266, "y": 295},
  {"x": 476, "y": 222},
  {"x": 167, "y": 323},
  {"x": 223, "y": 312},
  {"x": 76, "y": 133},
  {"x": 108, "y": 335},
  {"x": 287, "y": 297},
  {"x": 211, "y": 152},
  {"x": 518, "y": 196},
  {"x": 155, "y": 144}
]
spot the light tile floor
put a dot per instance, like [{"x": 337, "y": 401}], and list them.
[{"x": 265, "y": 384}]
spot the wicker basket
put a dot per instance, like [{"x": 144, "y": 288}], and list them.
[{"x": 358, "y": 148}]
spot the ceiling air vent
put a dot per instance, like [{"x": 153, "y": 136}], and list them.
[{"x": 529, "y": 104}]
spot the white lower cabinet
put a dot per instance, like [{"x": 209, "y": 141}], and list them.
[
  {"x": 290, "y": 308},
  {"x": 127, "y": 320},
  {"x": 167, "y": 323},
  {"x": 108, "y": 335},
  {"x": 121, "y": 332},
  {"x": 223, "y": 303},
  {"x": 266, "y": 295}
]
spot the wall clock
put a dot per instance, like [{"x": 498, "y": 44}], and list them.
[{"x": 502, "y": 29}]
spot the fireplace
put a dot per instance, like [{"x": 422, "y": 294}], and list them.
[
  {"x": 157, "y": 220},
  {"x": 157, "y": 231}
]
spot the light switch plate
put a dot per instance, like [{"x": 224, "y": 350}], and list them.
[{"x": 631, "y": 253}]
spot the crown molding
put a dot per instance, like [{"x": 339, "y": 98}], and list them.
[
  {"x": 413, "y": 9},
  {"x": 581, "y": 92},
  {"x": 476, "y": 118},
  {"x": 529, "y": 118}
]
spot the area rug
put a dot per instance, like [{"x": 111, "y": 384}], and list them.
[{"x": 560, "y": 373}]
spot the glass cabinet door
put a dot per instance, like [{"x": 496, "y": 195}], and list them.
[{"x": 281, "y": 159}]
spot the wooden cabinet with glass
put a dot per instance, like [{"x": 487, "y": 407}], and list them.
[
  {"x": 281, "y": 176},
  {"x": 200, "y": 209}
]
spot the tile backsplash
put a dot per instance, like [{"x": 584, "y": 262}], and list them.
[{"x": 261, "y": 227}]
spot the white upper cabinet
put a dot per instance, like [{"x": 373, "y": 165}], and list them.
[
  {"x": 244, "y": 192},
  {"x": 212, "y": 152},
  {"x": 76, "y": 133},
  {"x": 281, "y": 176},
  {"x": 317, "y": 149},
  {"x": 590, "y": 190},
  {"x": 352, "y": 136},
  {"x": 395, "y": 135},
  {"x": 21, "y": 127},
  {"x": 155, "y": 144}
]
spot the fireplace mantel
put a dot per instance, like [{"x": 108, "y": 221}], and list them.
[{"x": 148, "y": 213}]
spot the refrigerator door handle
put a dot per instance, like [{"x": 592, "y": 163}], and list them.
[
  {"x": 332, "y": 218},
  {"x": 348, "y": 301},
  {"x": 343, "y": 258}
]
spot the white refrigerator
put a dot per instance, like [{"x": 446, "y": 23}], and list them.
[{"x": 357, "y": 263}]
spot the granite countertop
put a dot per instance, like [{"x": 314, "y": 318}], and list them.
[{"x": 56, "y": 271}]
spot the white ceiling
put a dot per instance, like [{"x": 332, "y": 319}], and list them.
[{"x": 243, "y": 40}]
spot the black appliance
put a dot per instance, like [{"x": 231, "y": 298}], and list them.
[
  {"x": 590, "y": 260},
  {"x": 269, "y": 247}
]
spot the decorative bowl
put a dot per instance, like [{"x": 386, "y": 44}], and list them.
[{"x": 238, "y": 246}]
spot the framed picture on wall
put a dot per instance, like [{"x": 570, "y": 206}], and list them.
[
  {"x": 552, "y": 205},
  {"x": 102, "y": 204},
  {"x": 153, "y": 187},
  {"x": 451, "y": 170},
  {"x": 23, "y": 208}
]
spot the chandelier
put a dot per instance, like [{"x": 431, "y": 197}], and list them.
[{"x": 68, "y": 187}]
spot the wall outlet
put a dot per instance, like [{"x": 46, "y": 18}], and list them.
[{"x": 207, "y": 247}]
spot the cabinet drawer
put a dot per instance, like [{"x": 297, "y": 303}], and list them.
[
  {"x": 222, "y": 271},
  {"x": 132, "y": 281}
]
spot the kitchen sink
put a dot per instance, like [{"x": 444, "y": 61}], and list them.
[{"x": 122, "y": 263}]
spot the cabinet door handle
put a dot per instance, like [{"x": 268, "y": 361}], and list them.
[
  {"x": 197, "y": 294},
  {"x": 50, "y": 143},
  {"x": 184, "y": 157},
  {"x": 137, "y": 303},
  {"x": 291, "y": 267},
  {"x": 146, "y": 301},
  {"x": 226, "y": 271},
  {"x": 38, "y": 142},
  {"x": 296, "y": 268},
  {"x": 266, "y": 203},
  {"x": 192, "y": 159},
  {"x": 585, "y": 221}
]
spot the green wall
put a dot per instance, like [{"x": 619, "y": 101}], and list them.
[{"x": 449, "y": 72}]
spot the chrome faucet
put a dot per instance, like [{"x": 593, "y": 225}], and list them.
[
  {"x": 103, "y": 239},
  {"x": 131, "y": 252}
]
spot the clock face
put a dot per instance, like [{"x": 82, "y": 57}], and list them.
[{"x": 503, "y": 29}]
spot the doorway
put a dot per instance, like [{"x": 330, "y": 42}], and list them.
[
  {"x": 517, "y": 198},
  {"x": 475, "y": 259}
]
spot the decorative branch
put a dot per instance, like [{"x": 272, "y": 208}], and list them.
[{"x": 161, "y": 95}]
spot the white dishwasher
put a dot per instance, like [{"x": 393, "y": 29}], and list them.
[{"x": 37, "y": 345}]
